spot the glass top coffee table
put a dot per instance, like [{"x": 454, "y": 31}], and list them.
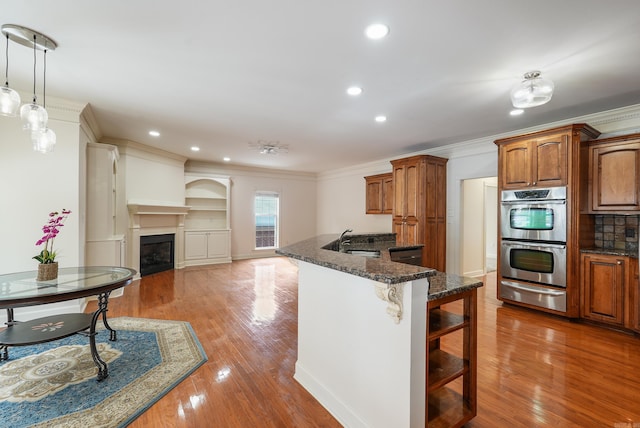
[{"x": 21, "y": 290}]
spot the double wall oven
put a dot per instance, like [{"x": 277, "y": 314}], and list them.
[{"x": 533, "y": 247}]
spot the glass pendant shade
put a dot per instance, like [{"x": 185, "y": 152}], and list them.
[
  {"x": 9, "y": 102},
  {"x": 34, "y": 117},
  {"x": 43, "y": 141},
  {"x": 532, "y": 91}
]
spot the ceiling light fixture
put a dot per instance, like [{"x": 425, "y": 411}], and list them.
[
  {"x": 9, "y": 99},
  {"x": 269, "y": 148},
  {"x": 516, "y": 112},
  {"x": 376, "y": 31},
  {"x": 354, "y": 90},
  {"x": 533, "y": 91},
  {"x": 195, "y": 149},
  {"x": 154, "y": 133},
  {"x": 381, "y": 119},
  {"x": 45, "y": 139},
  {"x": 226, "y": 159},
  {"x": 35, "y": 117}
]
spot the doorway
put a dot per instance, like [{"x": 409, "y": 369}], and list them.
[{"x": 479, "y": 226}]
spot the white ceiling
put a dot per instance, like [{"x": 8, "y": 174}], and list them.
[{"x": 223, "y": 74}]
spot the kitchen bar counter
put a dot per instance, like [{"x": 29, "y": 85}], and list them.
[{"x": 362, "y": 326}]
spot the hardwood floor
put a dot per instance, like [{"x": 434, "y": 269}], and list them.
[{"x": 533, "y": 369}]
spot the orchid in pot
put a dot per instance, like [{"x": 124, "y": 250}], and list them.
[{"x": 48, "y": 268}]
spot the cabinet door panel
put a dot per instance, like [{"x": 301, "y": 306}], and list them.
[
  {"x": 195, "y": 246},
  {"x": 603, "y": 288},
  {"x": 399, "y": 181},
  {"x": 218, "y": 244},
  {"x": 515, "y": 163},
  {"x": 387, "y": 195},
  {"x": 412, "y": 191},
  {"x": 616, "y": 177},
  {"x": 374, "y": 196},
  {"x": 549, "y": 167}
]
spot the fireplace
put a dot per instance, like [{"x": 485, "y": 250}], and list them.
[{"x": 156, "y": 253}]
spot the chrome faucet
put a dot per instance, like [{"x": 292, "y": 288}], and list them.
[{"x": 342, "y": 242}]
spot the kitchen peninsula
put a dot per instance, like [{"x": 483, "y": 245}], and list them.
[{"x": 363, "y": 326}]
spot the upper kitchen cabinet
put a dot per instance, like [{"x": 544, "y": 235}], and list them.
[
  {"x": 540, "y": 159},
  {"x": 419, "y": 206},
  {"x": 614, "y": 174},
  {"x": 379, "y": 194}
]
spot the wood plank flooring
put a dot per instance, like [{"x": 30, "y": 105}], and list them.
[{"x": 533, "y": 369}]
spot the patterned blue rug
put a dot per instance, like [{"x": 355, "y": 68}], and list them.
[{"x": 54, "y": 384}]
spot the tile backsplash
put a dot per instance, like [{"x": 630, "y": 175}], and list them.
[{"x": 618, "y": 232}]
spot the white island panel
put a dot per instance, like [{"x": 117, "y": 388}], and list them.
[{"x": 367, "y": 369}]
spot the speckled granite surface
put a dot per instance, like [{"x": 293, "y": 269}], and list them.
[
  {"x": 610, "y": 251},
  {"x": 445, "y": 284},
  {"x": 378, "y": 269}
]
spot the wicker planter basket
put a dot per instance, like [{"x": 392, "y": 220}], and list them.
[{"x": 47, "y": 271}]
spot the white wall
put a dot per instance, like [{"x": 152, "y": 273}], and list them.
[
  {"x": 34, "y": 184},
  {"x": 151, "y": 176},
  {"x": 298, "y": 198},
  {"x": 341, "y": 201}
]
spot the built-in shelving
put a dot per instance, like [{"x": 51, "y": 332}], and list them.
[
  {"x": 451, "y": 377},
  {"x": 207, "y": 225}
]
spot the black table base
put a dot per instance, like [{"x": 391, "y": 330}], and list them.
[{"x": 56, "y": 327}]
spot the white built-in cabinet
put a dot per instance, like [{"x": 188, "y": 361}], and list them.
[
  {"x": 104, "y": 247},
  {"x": 207, "y": 233}
]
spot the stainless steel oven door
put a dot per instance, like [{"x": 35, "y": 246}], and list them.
[
  {"x": 537, "y": 262},
  {"x": 534, "y": 220}
]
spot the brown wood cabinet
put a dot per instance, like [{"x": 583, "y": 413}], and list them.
[
  {"x": 614, "y": 172},
  {"x": 419, "y": 206},
  {"x": 606, "y": 287},
  {"x": 551, "y": 158},
  {"x": 449, "y": 406},
  {"x": 379, "y": 194},
  {"x": 535, "y": 162}
]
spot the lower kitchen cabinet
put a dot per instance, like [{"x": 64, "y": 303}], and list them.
[
  {"x": 207, "y": 247},
  {"x": 451, "y": 364},
  {"x": 609, "y": 289}
]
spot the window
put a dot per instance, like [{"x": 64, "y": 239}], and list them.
[{"x": 267, "y": 219}]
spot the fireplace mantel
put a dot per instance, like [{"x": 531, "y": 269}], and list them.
[
  {"x": 152, "y": 218},
  {"x": 155, "y": 209}
]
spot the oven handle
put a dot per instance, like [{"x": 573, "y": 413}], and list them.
[
  {"x": 538, "y": 290},
  {"x": 532, "y": 244},
  {"x": 536, "y": 202}
]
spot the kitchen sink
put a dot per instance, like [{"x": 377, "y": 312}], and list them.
[{"x": 364, "y": 253}]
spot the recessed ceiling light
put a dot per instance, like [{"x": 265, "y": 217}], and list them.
[
  {"x": 226, "y": 159},
  {"x": 354, "y": 90},
  {"x": 195, "y": 149},
  {"x": 516, "y": 112},
  {"x": 376, "y": 31},
  {"x": 381, "y": 118},
  {"x": 154, "y": 133}
]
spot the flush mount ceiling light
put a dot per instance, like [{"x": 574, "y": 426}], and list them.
[
  {"x": 9, "y": 99},
  {"x": 354, "y": 90},
  {"x": 269, "y": 147},
  {"x": 34, "y": 116},
  {"x": 376, "y": 31},
  {"x": 533, "y": 91},
  {"x": 381, "y": 118}
]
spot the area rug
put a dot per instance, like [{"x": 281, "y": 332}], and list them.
[{"x": 54, "y": 384}]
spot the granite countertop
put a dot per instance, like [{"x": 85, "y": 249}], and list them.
[
  {"x": 610, "y": 251},
  {"x": 380, "y": 269}
]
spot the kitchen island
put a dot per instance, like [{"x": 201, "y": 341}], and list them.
[{"x": 363, "y": 334}]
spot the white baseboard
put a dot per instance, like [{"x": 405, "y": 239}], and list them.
[{"x": 327, "y": 399}]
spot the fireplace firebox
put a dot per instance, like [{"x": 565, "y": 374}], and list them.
[{"x": 156, "y": 253}]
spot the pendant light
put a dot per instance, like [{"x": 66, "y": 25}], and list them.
[
  {"x": 9, "y": 99},
  {"x": 533, "y": 91},
  {"x": 45, "y": 139},
  {"x": 34, "y": 117}
]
